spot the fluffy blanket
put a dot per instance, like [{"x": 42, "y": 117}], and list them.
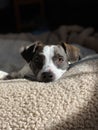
[{"x": 70, "y": 103}]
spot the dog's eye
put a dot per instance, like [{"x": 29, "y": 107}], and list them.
[
  {"x": 60, "y": 59},
  {"x": 36, "y": 60}
]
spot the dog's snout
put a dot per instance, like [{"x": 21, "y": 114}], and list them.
[{"x": 47, "y": 76}]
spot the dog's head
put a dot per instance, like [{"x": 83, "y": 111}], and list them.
[{"x": 49, "y": 62}]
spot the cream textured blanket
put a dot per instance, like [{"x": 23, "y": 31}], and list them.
[{"x": 68, "y": 104}]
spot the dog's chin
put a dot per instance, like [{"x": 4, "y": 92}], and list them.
[
  {"x": 46, "y": 81},
  {"x": 54, "y": 79}
]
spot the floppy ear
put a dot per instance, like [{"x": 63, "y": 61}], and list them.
[
  {"x": 28, "y": 51},
  {"x": 73, "y": 53}
]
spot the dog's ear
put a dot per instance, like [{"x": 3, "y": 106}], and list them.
[
  {"x": 29, "y": 51},
  {"x": 73, "y": 53}
]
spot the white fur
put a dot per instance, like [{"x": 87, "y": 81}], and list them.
[
  {"x": 3, "y": 74},
  {"x": 48, "y": 52}
]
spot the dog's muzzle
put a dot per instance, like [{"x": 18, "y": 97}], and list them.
[{"x": 47, "y": 77}]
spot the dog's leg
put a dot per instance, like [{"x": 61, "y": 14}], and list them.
[
  {"x": 25, "y": 72},
  {"x": 13, "y": 75}
]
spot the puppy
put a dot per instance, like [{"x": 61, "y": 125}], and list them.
[{"x": 46, "y": 63}]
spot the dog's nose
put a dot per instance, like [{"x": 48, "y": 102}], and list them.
[{"x": 47, "y": 76}]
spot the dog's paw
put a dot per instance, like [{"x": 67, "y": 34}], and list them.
[
  {"x": 13, "y": 75},
  {"x": 3, "y": 75}
]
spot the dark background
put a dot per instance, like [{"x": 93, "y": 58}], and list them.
[{"x": 56, "y": 13}]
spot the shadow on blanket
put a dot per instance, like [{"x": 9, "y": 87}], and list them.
[{"x": 85, "y": 119}]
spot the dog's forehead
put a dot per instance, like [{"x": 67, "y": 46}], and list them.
[
  {"x": 51, "y": 50},
  {"x": 48, "y": 50}
]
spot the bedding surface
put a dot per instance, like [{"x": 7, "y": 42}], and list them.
[{"x": 71, "y": 103}]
